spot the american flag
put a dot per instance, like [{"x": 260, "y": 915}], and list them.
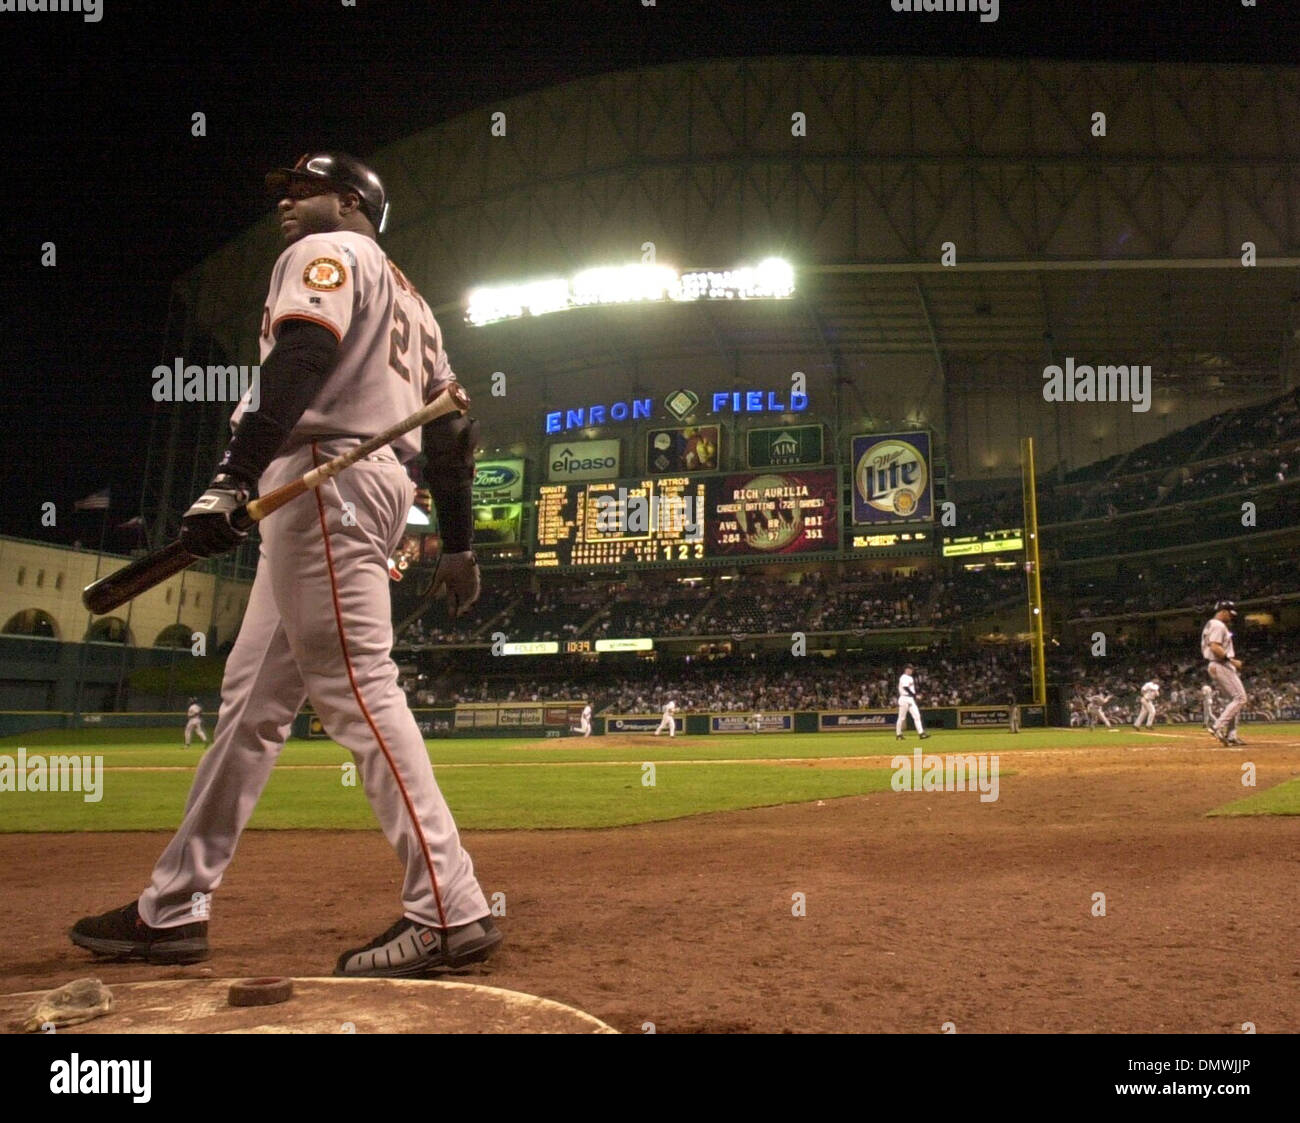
[{"x": 97, "y": 502}]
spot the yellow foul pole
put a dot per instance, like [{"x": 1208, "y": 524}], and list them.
[{"x": 1033, "y": 569}]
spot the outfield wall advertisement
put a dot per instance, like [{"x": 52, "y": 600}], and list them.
[
  {"x": 744, "y": 723},
  {"x": 853, "y": 721},
  {"x": 633, "y": 723}
]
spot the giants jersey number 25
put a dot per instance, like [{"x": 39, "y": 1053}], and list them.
[{"x": 391, "y": 359}]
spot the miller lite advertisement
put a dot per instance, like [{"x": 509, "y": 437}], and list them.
[{"x": 891, "y": 478}]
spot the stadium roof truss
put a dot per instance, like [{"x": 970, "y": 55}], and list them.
[{"x": 1126, "y": 245}]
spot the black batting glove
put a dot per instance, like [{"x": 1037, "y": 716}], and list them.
[
  {"x": 206, "y": 528},
  {"x": 457, "y": 578}
]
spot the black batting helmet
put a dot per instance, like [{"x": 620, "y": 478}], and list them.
[
  {"x": 344, "y": 171},
  {"x": 1225, "y": 606}
]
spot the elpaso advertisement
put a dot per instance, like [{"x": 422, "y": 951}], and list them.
[{"x": 582, "y": 460}]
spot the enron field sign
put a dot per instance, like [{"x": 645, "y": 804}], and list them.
[
  {"x": 891, "y": 478},
  {"x": 787, "y": 446}
]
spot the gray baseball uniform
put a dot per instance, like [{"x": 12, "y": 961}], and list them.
[
  {"x": 1207, "y": 705},
  {"x": 194, "y": 724},
  {"x": 1223, "y": 674},
  {"x": 1097, "y": 708},
  {"x": 1147, "y": 708},
  {"x": 319, "y": 618}
]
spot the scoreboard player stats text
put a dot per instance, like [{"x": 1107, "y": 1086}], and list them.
[
  {"x": 768, "y": 513},
  {"x": 634, "y": 523}
]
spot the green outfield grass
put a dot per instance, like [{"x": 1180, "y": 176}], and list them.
[
  {"x": 162, "y": 747},
  {"x": 512, "y": 783}
]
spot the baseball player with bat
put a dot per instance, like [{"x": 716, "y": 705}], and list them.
[
  {"x": 349, "y": 349},
  {"x": 1223, "y": 666}
]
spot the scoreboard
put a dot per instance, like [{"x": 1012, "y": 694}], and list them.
[
  {"x": 688, "y": 518},
  {"x": 990, "y": 542},
  {"x": 642, "y": 521},
  {"x": 774, "y": 513}
]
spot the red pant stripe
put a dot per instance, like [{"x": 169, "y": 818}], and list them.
[{"x": 365, "y": 712}]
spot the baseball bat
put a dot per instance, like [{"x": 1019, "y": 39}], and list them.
[{"x": 144, "y": 573}]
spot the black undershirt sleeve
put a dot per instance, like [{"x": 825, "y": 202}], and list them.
[
  {"x": 292, "y": 375},
  {"x": 449, "y": 444}
]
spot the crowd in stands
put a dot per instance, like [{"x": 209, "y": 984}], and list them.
[
  {"x": 552, "y": 613},
  {"x": 958, "y": 595},
  {"x": 1188, "y": 584},
  {"x": 1271, "y": 678},
  {"x": 820, "y": 603},
  {"x": 869, "y": 681},
  {"x": 650, "y": 610},
  {"x": 867, "y": 601},
  {"x": 1235, "y": 451},
  {"x": 743, "y": 684},
  {"x": 433, "y": 626},
  {"x": 749, "y": 604}
]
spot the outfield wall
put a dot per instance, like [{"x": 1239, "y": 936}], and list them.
[
  {"x": 556, "y": 719},
  {"x": 559, "y": 719}
]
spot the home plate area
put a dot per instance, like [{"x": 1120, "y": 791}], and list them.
[{"x": 321, "y": 1005}]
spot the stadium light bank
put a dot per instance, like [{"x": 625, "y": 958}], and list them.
[{"x": 638, "y": 283}]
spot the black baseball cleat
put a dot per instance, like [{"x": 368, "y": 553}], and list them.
[
  {"x": 121, "y": 934},
  {"x": 924, "y": 736},
  {"x": 898, "y": 736},
  {"x": 409, "y": 950}
]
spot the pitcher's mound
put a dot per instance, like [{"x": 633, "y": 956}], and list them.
[{"x": 321, "y": 1006}]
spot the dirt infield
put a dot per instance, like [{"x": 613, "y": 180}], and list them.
[{"x": 922, "y": 908}]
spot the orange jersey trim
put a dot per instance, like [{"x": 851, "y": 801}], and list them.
[{"x": 310, "y": 319}]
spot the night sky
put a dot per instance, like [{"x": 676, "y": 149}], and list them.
[{"x": 101, "y": 161}]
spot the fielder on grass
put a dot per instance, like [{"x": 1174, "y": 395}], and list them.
[
  {"x": 195, "y": 723},
  {"x": 667, "y": 721},
  {"x": 907, "y": 704}
]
